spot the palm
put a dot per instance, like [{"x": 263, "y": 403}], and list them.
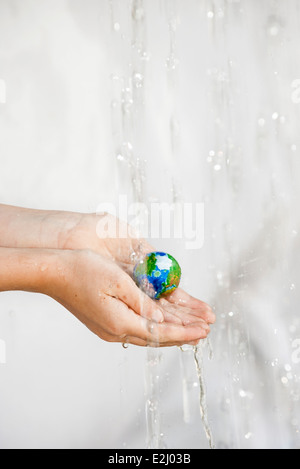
[{"x": 125, "y": 250}]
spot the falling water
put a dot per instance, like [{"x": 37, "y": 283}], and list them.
[
  {"x": 198, "y": 352},
  {"x": 204, "y": 100},
  {"x": 246, "y": 130}
]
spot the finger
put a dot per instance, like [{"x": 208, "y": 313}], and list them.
[
  {"x": 120, "y": 323},
  {"x": 198, "y": 307},
  {"x": 165, "y": 333},
  {"x": 136, "y": 299},
  {"x": 183, "y": 314}
]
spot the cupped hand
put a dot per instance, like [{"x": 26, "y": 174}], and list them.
[
  {"x": 105, "y": 298},
  {"x": 119, "y": 242}
]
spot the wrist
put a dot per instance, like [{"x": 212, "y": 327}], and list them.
[
  {"x": 30, "y": 228},
  {"x": 32, "y": 270}
]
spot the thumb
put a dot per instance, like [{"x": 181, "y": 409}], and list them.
[{"x": 137, "y": 300}]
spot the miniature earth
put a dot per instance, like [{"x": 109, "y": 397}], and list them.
[{"x": 157, "y": 274}]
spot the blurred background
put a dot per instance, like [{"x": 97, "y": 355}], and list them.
[{"x": 193, "y": 101}]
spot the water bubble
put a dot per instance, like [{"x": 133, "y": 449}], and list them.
[
  {"x": 292, "y": 286},
  {"x": 117, "y": 27},
  {"x": 284, "y": 380},
  {"x": 248, "y": 435},
  {"x": 217, "y": 167},
  {"x": 210, "y": 14},
  {"x": 275, "y": 116},
  {"x": 231, "y": 313}
]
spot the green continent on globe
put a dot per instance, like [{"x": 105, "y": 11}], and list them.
[{"x": 157, "y": 274}]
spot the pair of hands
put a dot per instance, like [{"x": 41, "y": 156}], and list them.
[
  {"x": 101, "y": 293},
  {"x": 90, "y": 274}
]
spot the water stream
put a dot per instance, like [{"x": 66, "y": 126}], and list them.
[{"x": 199, "y": 44}]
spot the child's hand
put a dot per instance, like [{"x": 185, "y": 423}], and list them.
[
  {"x": 105, "y": 298},
  {"x": 91, "y": 232}
]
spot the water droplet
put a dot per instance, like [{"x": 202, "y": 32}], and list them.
[
  {"x": 231, "y": 313},
  {"x": 144, "y": 56},
  {"x": 292, "y": 286},
  {"x": 114, "y": 103},
  {"x": 138, "y": 80},
  {"x": 217, "y": 167},
  {"x": 261, "y": 121},
  {"x": 248, "y": 435},
  {"x": 274, "y": 29},
  {"x": 282, "y": 119},
  {"x": 117, "y": 27},
  {"x": 294, "y": 147},
  {"x": 275, "y": 116},
  {"x": 284, "y": 380},
  {"x": 127, "y": 100},
  {"x": 138, "y": 13},
  {"x": 120, "y": 157},
  {"x": 172, "y": 62},
  {"x": 210, "y": 14}
]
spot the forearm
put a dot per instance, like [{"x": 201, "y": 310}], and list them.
[
  {"x": 33, "y": 270},
  {"x": 22, "y": 227}
]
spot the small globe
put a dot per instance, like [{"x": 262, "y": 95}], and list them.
[{"x": 157, "y": 274}]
